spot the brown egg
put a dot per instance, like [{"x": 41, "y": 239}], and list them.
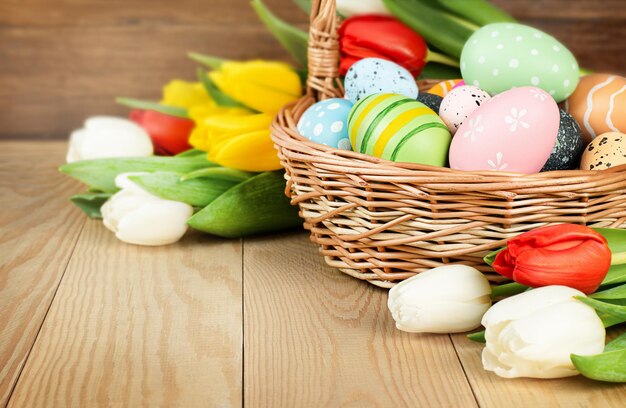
[
  {"x": 606, "y": 150},
  {"x": 598, "y": 105}
]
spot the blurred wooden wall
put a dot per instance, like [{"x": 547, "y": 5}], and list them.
[{"x": 63, "y": 60}]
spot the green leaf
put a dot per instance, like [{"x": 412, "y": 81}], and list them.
[
  {"x": 609, "y": 313},
  {"x": 198, "y": 192},
  {"x": 154, "y": 106},
  {"x": 489, "y": 259},
  {"x": 433, "y": 70},
  {"x": 617, "y": 344},
  {"x": 90, "y": 203},
  {"x": 223, "y": 173},
  {"x": 218, "y": 96},
  {"x": 609, "y": 366},
  {"x": 480, "y": 12},
  {"x": 507, "y": 289},
  {"x": 191, "y": 153},
  {"x": 441, "y": 30},
  {"x": 616, "y": 275},
  {"x": 291, "y": 38},
  {"x": 615, "y": 237},
  {"x": 618, "y": 292},
  {"x": 255, "y": 206},
  {"x": 477, "y": 337},
  {"x": 208, "y": 60},
  {"x": 100, "y": 174},
  {"x": 305, "y": 5}
]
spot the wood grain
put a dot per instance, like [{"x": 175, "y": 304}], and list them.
[
  {"x": 314, "y": 337},
  {"x": 38, "y": 231},
  {"x": 493, "y": 391},
  {"x": 137, "y": 326},
  {"x": 64, "y": 60}
]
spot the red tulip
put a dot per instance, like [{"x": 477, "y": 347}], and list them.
[
  {"x": 566, "y": 254},
  {"x": 169, "y": 134},
  {"x": 381, "y": 37}
]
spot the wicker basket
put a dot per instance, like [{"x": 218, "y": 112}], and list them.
[{"x": 383, "y": 222}]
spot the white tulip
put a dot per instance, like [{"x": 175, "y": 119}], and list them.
[
  {"x": 138, "y": 217},
  {"x": 349, "y": 8},
  {"x": 447, "y": 299},
  {"x": 105, "y": 136},
  {"x": 533, "y": 334}
]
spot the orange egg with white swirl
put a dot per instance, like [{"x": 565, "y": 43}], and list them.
[{"x": 598, "y": 105}]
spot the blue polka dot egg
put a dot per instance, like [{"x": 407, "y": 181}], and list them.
[{"x": 326, "y": 123}]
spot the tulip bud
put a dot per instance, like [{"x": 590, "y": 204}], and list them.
[
  {"x": 349, "y": 8},
  {"x": 565, "y": 254},
  {"x": 105, "y": 137},
  {"x": 447, "y": 299},
  {"x": 138, "y": 217},
  {"x": 169, "y": 134},
  {"x": 533, "y": 334}
]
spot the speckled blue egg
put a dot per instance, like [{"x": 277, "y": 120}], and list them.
[
  {"x": 374, "y": 75},
  {"x": 569, "y": 146},
  {"x": 326, "y": 123}
]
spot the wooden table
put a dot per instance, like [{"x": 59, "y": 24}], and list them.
[{"x": 86, "y": 320}]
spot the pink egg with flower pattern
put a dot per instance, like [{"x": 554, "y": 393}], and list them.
[{"x": 514, "y": 131}]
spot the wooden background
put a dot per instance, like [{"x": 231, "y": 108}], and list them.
[{"x": 63, "y": 60}]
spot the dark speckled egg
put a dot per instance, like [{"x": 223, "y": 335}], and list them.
[
  {"x": 431, "y": 100},
  {"x": 374, "y": 75},
  {"x": 569, "y": 146},
  {"x": 605, "y": 151}
]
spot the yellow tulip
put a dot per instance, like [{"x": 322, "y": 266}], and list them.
[
  {"x": 264, "y": 86},
  {"x": 185, "y": 94},
  {"x": 234, "y": 137}
]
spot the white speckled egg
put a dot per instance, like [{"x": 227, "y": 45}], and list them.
[
  {"x": 459, "y": 104},
  {"x": 326, "y": 123},
  {"x": 374, "y": 75}
]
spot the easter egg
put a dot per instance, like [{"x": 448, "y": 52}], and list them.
[
  {"x": 443, "y": 87},
  {"x": 398, "y": 128},
  {"x": 374, "y": 75},
  {"x": 598, "y": 104},
  {"x": 502, "y": 56},
  {"x": 326, "y": 123},
  {"x": 569, "y": 146},
  {"x": 459, "y": 103},
  {"x": 605, "y": 151},
  {"x": 431, "y": 100},
  {"x": 514, "y": 131}
]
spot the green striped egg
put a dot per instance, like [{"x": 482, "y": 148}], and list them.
[{"x": 398, "y": 128}]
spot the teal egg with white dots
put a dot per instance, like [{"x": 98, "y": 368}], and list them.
[
  {"x": 503, "y": 56},
  {"x": 326, "y": 123}
]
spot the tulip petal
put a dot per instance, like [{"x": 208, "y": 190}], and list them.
[
  {"x": 159, "y": 222},
  {"x": 249, "y": 152}
]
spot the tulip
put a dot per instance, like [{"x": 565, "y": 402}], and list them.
[
  {"x": 264, "y": 86},
  {"x": 375, "y": 36},
  {"x": 169, "y": 134},
  {"x": 235, "y": 138},
  {"x": 106, "y": 137},
  {"x": 138, "y": 217},
  {"x": 534, "y": 333},
  {"x": 349, "y": 8},
  {"x": 447, "y": 299},
  {"x": 565, "y": 254},
  {"x": 185, "y": 94}
]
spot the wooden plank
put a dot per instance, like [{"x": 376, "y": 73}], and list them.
[
  {"x": 86, "y": 68},
  {"x": 494, "y": 391},
  {"x": 38, "y": 231},
  {"x": 315, "y": 337},
  {"x": 139, "y": 326}
]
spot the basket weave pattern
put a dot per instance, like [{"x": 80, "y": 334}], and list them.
[{"x": 384, "y": 222}]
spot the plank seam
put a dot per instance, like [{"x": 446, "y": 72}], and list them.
[
  {"x": 469, "y": 384},
  {"x": 56, "y": 290}
]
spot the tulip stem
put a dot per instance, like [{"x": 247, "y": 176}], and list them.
[
  {"x": 618, "y": 258},
  {"x": 433, "y": 56},
  {"x": 508, "y": 289}
]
